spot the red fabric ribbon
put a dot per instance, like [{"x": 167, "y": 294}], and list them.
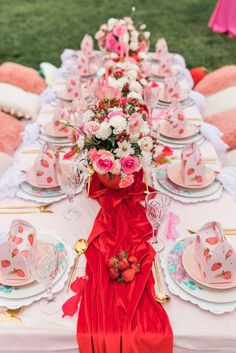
[
  {"x": 115, "y": 317},
  {"x": 70, "y": 307}
]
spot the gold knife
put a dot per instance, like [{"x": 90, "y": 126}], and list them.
[{"x": 226, "y": 231}]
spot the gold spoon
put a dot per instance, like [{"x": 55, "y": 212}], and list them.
[
  {"x": 10, "y": 315},
  {"x": 41, "y": 208},
  {"x": 161, "y": 297},
  {"x": 226, "y": 231},
  {"x": 80, "y": 247}
]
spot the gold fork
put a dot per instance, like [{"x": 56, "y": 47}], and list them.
[
  {"x": 41, "y": 208},
  {"x": 10, "y": 315}
]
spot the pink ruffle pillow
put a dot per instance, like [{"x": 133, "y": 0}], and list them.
[
  {"x": 22, "y": 76},
  {"x": 10, "y": 133},
  {"x": 217, "y": 80},
  {"x": 226, "y": 122}
]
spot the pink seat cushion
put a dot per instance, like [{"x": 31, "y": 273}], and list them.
[
  {"x": 22, "y": 76},
  {"x": 10, "y": 133},
  {"x": 226, "y": 122},
  {"x": 217, "y": 80}
]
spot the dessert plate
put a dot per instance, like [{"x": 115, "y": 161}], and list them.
[
  {"x": 49, "y": 130},
  {"x": 175, "y": 175},
  {"x": 31, "y": 179},
  {"x": 190, "y": 131},
  {"x": 41, "y": 192},
  {"x": 191, "y": 267},
  {"x": 182, "y": 97},
  {"x": 15, "y": 282}
]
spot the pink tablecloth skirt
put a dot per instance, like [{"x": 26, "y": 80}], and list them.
[{"x": 223, "y": 18}]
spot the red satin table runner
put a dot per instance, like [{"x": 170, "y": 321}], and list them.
[{"x": 114, "y": 317}]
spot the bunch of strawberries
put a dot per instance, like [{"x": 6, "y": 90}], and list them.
[{"x": 123, "y": 268}]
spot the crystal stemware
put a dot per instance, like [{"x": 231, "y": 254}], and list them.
[
  {"x": 150, "y": 96},
  {"x": 157, "y": 209},
  {"x": 44, "y": 263},
  {"x": 69, "y": 180}
]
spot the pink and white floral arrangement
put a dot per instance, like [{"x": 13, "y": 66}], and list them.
[
  {"x": 120, "y": 37},
  {"x": 118, "y": 140}
]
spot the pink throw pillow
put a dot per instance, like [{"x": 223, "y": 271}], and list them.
[
  {"x": 22, "y": 76},
  {"x": 226, "y": 122},
  {"x": 217, "y": 80},
  {"x": 10, "y": 133}
]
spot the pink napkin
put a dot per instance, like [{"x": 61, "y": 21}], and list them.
[
  {"x": 176, "y": 122},
  {"x": 61, "y": 112},
  {"x": 214, "y": 254},
  {"x": 192, "y": 167},
  {"x": 172, "y": 88},
  {"x": 10, "y": 133},
  {"x": 73, "y": 85},
  {"x": 86, "y": 45},
  {"x": 161, "y": 48}
]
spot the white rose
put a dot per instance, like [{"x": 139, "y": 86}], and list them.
[
  {"x": 103, "y": 27},
  {"x": 134, "y": 138},
  {"x": 134, "y": 95},
  {"x": 144, "y": 129},
  {"x": 119, "y": 123},
  {"x": 104, "y": 131},
  {"x": 121, "y": 82},
  {"x": 146, "y": 35},
  {"x": 143, "y": 82},
  {"x": 132, "y": 74},
  {"x": 80, "y": 142},
  {"x": 99, "y": 34},
  {"x": 111, "y": 23},
  {"x": 135, "y": 87},
  {"x": 145, "y": 143},
  {"x": 112, "y": 82},
  {"x": 134, "y": 45}
]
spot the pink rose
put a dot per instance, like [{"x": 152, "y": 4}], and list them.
[
  {"x": 126, "y": 181},
  {"x": 119, "y": 30},
  {"x": 91, "y": 127},
  {"x": 104, "y": 163},
  {"x": 110, "y": 41},
  {"x": 93, "y": 154},
  {"x": 134, "y": 123},
  {"x": 129, "y": 164}
]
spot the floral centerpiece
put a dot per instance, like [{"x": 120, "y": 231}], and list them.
[
  {"x": 120, "y": 37},
  {"x": 117, "y": 139}
]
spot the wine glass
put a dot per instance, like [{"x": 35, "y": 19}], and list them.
[
  {"x": 157, "y": 209},
  {"x": 69, "y": 180},
  {"x": 44, "y": 263},
  {"x": 150, "y": 96}
]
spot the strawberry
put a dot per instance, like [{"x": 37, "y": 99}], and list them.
[
  {"x": 112, "y": 262},
  {"x": 113, "y": 273},
  {"x": 198, "y": 238},
  {"x": 14, "y": 252},
  {"x": 49, "y": 155},
  {"x": 229, "y": 253},
  {"x": 212, "y": 240},
  {"x": 132, "y": 259},
  {"x": 39, "y": 173},
  {"x": 181, "y": 131},
  {"x": 19, "y": 273},
  {"x": 31, "y": 239},
  {"x": 122, "y": 254},
  {"x": 49, "y": 180},
  {"x": 199, "y": 161},
  {"x": 17, "y": 240},
  {"x": 198, "y": 178},
  {"x": 128, "y": 275},
  {"x": 25, "y": 253},
  {"x": 123, "y": 264},
  {"x": 5, "y": 263},
  {"x": 56, "y": 122},
  {"x": 216, "y": 266},
  {"x": 136, "y": 267},
  {"x": 44, "y": 163},
  {"x": 227, "y": 275},
  {"x": 20, "y": 229},
  {"x": 180, "y": 117},
  {"x": 206, "y": 252},
  {"x": 190, "y": 171},
  {"x": 185, "y": 162}
]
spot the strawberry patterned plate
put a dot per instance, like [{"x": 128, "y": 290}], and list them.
[
  {"x": 190, "y": 131},
  {"x": 42, "y": 192},
  {"x": 15, "y": 282},
  {"x": 49, "y": 130},
  {"x": 30, "y": 177},
  {"x": 63, "y": 95},
  {"x": 175, "y": 175},
  {"x": 191, "y": 267}
]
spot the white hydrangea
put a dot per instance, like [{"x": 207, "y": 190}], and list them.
[
  {"x": 145, "y": 143},
  {"x": 119, "y": 123},
  {"x": 104, "y": 131}
]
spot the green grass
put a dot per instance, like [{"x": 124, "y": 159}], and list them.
[{"x": 32, "y": 31}]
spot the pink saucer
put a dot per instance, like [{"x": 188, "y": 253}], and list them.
[
  {"x": 175, "y": 175},
  {"x": 64, "y": 96},
  {"x": 183, "y": 95},
  {"x": 190, "y": 131},
  {"x": 191, "y": 267},
  {"x": 48, "y": 129},
  {"x": 30, "y": 177},
  {"x": 16, "y": 282}
]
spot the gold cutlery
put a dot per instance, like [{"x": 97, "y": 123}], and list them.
[
  {"x": 36, "y": 151},
  {"x": 226, "y": 231},
  {"x": 16, "y": 207},
  {"x": 161, "y": 297},
  {"x": 80, "y": 247},
  {"x": 26, "y": 212},
  {"x": 10, "y": 315}
]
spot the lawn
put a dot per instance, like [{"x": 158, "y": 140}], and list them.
[{"x": 32, "y": 31}]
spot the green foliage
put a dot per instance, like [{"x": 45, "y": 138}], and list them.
[{"x": 33, "y": 31}]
